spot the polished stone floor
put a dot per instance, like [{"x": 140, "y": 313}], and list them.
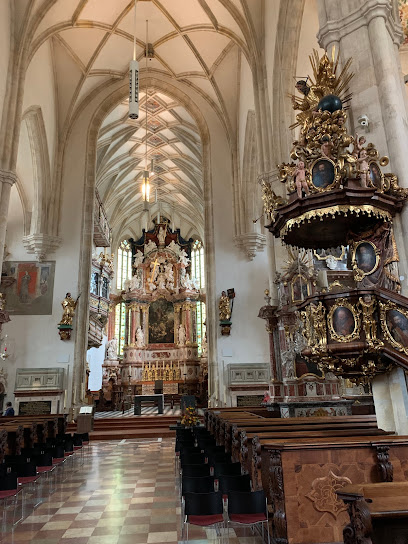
[{"x": 124, "y": 493}]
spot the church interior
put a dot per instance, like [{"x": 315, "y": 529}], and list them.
[{"x": 204, "y": 286}]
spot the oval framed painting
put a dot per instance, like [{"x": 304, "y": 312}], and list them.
[
  {"x": 365, "y": 258},
  {"x": 323, "y": 174}
]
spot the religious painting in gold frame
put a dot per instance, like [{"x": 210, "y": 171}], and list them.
[
  {"x": 299, "y": 288},
  {"x": 324, "y": 175},
  {"x": 394, "y": 324},
  {"x": 365, "y": 258},
  {"x": 344, "y": 321},
  {"x": 375, "y": 175}
]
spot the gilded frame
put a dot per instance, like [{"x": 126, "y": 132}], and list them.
[
  {"x": 382, "y": 184},
  {"x": 335, "y": 181},
  {"x": 358, "y": 273},
  {"x": 343, "y": 303},
  {"x": 384, "y": 308},
  {"x": 292, "y": 283}
]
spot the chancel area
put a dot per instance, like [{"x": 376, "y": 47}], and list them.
[{"x": 203, "y": 247}]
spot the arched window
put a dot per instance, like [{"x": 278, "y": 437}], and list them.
[
  {"x": 198, "y": 272},
  {"x": 120, "y": 326},
  {"x": 197, "y": 263},
  {"x": 124, "y": 268}
]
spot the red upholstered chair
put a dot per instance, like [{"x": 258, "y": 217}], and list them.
[
  {"x": 248, "y": 509},
  {"x": 204, "y": 510}
]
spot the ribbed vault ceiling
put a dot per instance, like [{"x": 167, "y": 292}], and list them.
[
  {"x": 174, "y": 144},
  {"x": 195, "y": 42}
]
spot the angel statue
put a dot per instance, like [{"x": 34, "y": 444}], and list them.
[
  {"x": 224, "y": 307},
  {"x": 68, "y": 305}
]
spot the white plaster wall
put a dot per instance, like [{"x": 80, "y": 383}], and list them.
[
  {"x": 4, "y": 48},
  {"x": 35, "y": 337}
]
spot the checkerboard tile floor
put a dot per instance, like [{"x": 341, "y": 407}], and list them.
[{"x": 124, "y": 493}]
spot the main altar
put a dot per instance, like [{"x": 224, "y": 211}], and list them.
[{"x": 160, "y": 347}]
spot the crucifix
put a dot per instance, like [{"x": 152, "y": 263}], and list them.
[{"x": 156, "y": 262}]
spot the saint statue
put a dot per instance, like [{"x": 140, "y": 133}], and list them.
[
  {"x": 181, "y": 335},
  {"x": 112, "y": 349},
  {"x": 140, "y": 337},
  {"x": 224, "y": 307},
  {"x": 69, "y": 305},
  {"x": 161, "y": 235}
]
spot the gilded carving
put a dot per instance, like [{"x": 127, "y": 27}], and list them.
[
  {"x": 323, "y": 493},
  {"x": 344, "y": 321},
  {"x": 331, "y": 212},
  {"x": 368, "y": 307}
]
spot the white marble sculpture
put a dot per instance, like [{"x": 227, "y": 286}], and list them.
[
  {"x": 112, "y": 349},
  {"x": 181, "y": 335},
  {"x": 140, "y": 337},
  {"x": 174, "y": 247},
  {"x": 138, "y": 259},
  {"x": 135, "y": 282},
  {"x": 151, "y": 246},
  {"x": 183, "y": 259},
  {"x": 161, "y": 235}
]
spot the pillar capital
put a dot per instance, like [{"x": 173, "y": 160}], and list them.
[
  {"x": 6, "y": 176},
  {"x": 334, "y": 28}
]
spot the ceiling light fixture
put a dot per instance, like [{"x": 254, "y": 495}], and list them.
[
  {"x": 146, "y": 180},
  {"x": 134, "y": 80}
]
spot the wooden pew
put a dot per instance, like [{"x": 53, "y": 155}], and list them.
[
  {"x": 300, "y": 477},
  {"x": 378, "y": 513}
]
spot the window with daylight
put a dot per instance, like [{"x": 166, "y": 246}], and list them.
[
  {"x": 120, "y": 326},
  {"x": 198, "y": 272},
  {"x": 124, "y": 268}
]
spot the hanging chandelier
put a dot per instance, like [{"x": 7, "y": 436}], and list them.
[{"x": 134, "y": 80}]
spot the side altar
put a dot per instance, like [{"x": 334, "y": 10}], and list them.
[{"x": 160, "y": 337}]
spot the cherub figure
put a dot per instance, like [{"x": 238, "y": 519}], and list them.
[
  {"x": 326, "y": 147},
  {"x": 299, "y": 176},
  {"x": 359, "y": 142},
  {"x": 364, "y": 168}
]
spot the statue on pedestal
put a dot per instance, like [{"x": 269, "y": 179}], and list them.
[
  {"x": 224, "y": 307},
  {"x": 161, "y": 235},
  {"x": 69, "y": 305},
  {"x": 140, "y": 338},
  {"x": 112, "y": 349},
  {"x": 181, "y": 335}
]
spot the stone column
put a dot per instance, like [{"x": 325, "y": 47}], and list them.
[
  {"x": 111, "y": 320},
  {"x": 177, "y": 308},
  {"x": 391, "y": 401},
  {"x": 135, "y": 321},
  {"x": 7, "y": 180},
  {"x": 145, "y": 310}
]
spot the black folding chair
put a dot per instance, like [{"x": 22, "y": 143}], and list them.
[
  {"x": 227, "y": 469},
  {"x": 234, "y": 483},
  {"x": 249, "y": 509},
  {"x": 204, "y": 510}
]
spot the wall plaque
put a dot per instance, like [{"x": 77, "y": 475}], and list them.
[
  {"x": 249, "y": 400},
  {"x": 34, "y": 407}
]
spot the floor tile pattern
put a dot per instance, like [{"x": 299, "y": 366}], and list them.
[{"x": 124, "y": 493}]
